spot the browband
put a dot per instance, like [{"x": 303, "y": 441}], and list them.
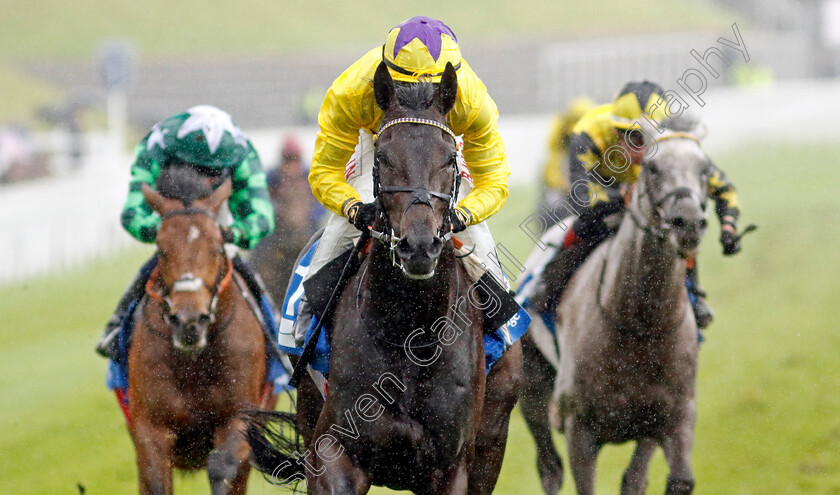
[{"x": 415, "y": 120}]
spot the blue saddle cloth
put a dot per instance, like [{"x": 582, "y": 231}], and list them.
[
  {"x": 117, "y": 376},
  {"x": 495, "y": 342}
]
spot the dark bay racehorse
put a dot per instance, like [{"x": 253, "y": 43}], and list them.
[
  {"x": 408, "y": 405},
  {"x": 198, "y": 353},
  {"x": 627, "y": 338}
]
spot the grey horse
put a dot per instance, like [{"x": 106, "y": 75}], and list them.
[{"x": 626, "y": 338}]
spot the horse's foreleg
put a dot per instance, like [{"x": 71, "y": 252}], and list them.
[
  {"x": 227, "y": 465},
  {"x": 534, "y": 397},
  {"x": 636, "y": 476},
  {"x": 331, "y": 472},
  {"x": 677, "y": 447},
  {"x": 583, "y": 452},
  {"x": 153, "y": 446},
  {"x": 499, "y": 399},
  {"x": 456, "y": 481}
]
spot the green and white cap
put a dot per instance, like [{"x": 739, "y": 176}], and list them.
[{"x": 203, "y": 136}]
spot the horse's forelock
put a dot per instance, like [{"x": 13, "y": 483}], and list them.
[
  {"x": 415, "y": 96},
  {"x": 183, "y": 184}
]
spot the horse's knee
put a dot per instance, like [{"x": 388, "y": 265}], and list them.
[
  {"x": 679, "y": 487},
  {"x": 222, "y": 467}
]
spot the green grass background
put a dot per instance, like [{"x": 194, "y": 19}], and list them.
[{"x": 769, "y": 383}]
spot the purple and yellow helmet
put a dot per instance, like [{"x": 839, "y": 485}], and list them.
[{"x": 419, "y": 48}]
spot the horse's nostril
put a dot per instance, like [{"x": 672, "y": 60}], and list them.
[
  {"x": 703, "y": 223},
  {"x": 678, "y": 222},
  {"x": 403, "y": 248}
]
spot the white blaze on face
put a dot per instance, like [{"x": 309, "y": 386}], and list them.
[{"x": 193, "y": 234}]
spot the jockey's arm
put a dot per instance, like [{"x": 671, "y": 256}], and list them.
[
  {"x": 722, "y": 191},
  {"x": 476, "y": 117},
  {"x": 585, "y": 166},
  {"x": 138, "y": 218},
  {"x": 249, "y": 203},
  {"x": 339, "y": 122}
]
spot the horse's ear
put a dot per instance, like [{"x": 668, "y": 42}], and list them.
[
  {"x": 155, "y": 199},
  {"x": 215, "y": 200},
  {"x": 383, "y": 87},
  {"x": 447, "y": 90}
]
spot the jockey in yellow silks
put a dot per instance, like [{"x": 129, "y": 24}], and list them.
[
  {"x": 555, "y": 175},
  {"x": 340, "y": 175},
  {"x": 594, "y": 134}
]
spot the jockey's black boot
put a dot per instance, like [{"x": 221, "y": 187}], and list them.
[
  {"x": 557, "y": 274},
  {"x": 108, "y": 344},
  {"x": 703, "y": 314}
]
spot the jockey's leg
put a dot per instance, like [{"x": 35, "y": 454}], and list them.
[
  {"x": 478, "y": 236},
  {"x": 703, "y": 314},
  {"x": 270, "y": 315},
  {"x": 257, "y": 287},
  {"x": 107, "y": 345},
  {"x": 339, "y": 235},
  {"x": 587, "y": 232}
]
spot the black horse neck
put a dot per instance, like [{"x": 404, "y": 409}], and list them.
[{"x": 398, "y": 305}]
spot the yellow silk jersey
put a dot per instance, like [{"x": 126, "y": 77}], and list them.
[
  {"x": 350, "y": 106},
  {"x": 595, "y": 133},
  {"x": 556, "y": 155}
]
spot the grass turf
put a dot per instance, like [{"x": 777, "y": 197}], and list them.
[{"x": 768, "y": 381}]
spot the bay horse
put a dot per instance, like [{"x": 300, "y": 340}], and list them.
[
  {"x": 197, "y": 356},
  {"x": 408, "y": 404},
  {"x": 627, "y": 339}
]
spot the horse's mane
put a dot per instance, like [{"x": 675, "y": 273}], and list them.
[
  {"x": 183, "y": 184},
  {"x": 415, "y": 96}
]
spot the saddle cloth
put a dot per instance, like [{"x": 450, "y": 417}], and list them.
[{"x": 508, "y": 329}]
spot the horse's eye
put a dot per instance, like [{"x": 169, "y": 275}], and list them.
[
  {"x": 382, "y": 159},
  {"x": 453, "y": 160},
  {"x": 653, "y": 169}
]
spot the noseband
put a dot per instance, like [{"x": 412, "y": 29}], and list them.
[
  {"x": 419, "y": 195},
  {"x": 189, "y": 282}
]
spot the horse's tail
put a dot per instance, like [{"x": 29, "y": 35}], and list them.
[{"x": 275, "y": 445}]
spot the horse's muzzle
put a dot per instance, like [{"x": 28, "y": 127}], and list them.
[
  {"x": 419, "y": 255},
  {"x": 189, "y": 330},
  {"x": 688, "y": 232}
]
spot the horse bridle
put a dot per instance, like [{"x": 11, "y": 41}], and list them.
[
  {"x": 419, "y": 195},
  {"x": 189, "y": 282},
  {"x": 661, "y": 231}
]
